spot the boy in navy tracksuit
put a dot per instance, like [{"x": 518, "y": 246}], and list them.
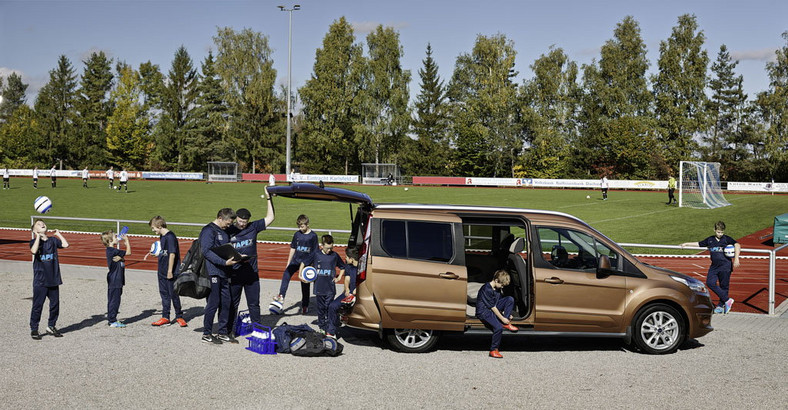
[
  {"x": 211, "y": 236},
  {"x": 245, "y": 277},
  {"x": 721, "y": 265},
  {"x": 495, "y": 311},
  {"x": 325, "y": 261},
  {"x": 46, "y": 277},
  {"x": 351, "y": 270},
  {"x": 116, "y": 277},
  {"x": 169, "y": 260},
  {"x": 303, "y": 244}
]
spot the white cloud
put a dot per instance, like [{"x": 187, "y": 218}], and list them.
[
  {"x": 366, "y": 27},
  {"x": 764, "y": 54}
]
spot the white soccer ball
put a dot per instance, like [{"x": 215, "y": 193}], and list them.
[
  {"x": 155, "y": 248},
  {"x": 730, "y": 251},
  {"x": 309, "y": 274},
  {"x": 588, "y": 196},
  {"x": 42, "y": 204}
]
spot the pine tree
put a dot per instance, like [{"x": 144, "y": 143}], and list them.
[
  {"x": 88, "y": 149},
  {"x": 332, "y": 101},
  {"x": 13, "y": 95},
  {"x": 55, "y": 114},
  {"x": 727, "y": 110},
  {"x": 205, "y": 139},
  {"x": 680, "y": 100},
  {"x": 178, "y": 96},
  {"x": 430, "y": 153}
]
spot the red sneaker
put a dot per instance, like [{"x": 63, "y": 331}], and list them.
[
  {"x": 181, "y": 322},
  {"x": 496, "y": 354},
  {"x": 161, "y": 322},
  {"x": 510, "y": 327}
]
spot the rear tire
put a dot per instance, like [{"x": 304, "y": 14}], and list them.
[
  {"x": 659, "y": 329},
  {"x": 412, "y": 340}
]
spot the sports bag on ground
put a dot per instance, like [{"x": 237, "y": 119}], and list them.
[{"x": 192, "y": 280}]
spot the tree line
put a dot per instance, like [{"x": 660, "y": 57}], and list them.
[{"x": 568, "y": 121}]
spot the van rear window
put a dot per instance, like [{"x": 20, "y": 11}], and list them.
[{"x": 417, "y": 240}]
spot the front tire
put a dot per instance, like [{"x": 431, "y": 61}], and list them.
[
  {"x": 412, "y": 340},
  {"x": 659, "y": 329}
]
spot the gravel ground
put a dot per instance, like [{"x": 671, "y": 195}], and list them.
[{"x": 739, "y": 365}]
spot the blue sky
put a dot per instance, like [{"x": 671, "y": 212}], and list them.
[{"x": 34, "y": 33}]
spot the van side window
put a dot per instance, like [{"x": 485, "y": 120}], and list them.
[
  {"x": 417, "y": 240},
  {"x": 569, "y": 249}
]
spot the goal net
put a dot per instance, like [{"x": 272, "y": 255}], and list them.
[
  {"x": 699, "y": 185},
  {"x": 380, "y": 174},
  {"x": 222, "y": 171}
]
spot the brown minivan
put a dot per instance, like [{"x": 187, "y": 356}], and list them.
[{"x": 421, "y": 267}]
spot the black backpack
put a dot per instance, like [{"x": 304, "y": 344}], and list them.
[{"x": 193, "y": 280}]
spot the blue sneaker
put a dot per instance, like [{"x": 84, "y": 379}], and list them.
[
  {"x": 117, "y": 324},
  {"x": 719, "y": 310},
  {"x": 728, "y": 305}
]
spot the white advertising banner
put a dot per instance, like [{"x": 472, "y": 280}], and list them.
[
  {"x": 325, "y": 178},
  {"x": 758, "y": 186}
]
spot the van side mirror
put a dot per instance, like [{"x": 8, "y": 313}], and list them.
[{"x": 603, "y": 268}]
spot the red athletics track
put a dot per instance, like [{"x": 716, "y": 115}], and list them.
[{"x": 749, "y": 283}]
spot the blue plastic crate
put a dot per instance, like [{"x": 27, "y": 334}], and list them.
[
  {"x": 241, "y": 328},
  {"x": 264, "y": 345}
]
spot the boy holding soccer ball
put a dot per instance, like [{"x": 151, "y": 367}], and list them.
[
  {"x": 719, "y": 276},
  {"x": 46, "y": 277},
  {"x": 326, "y": 261},
  {"x": 116, "y": 277},
  {"x": 169, "y": 259},
  {"x": 303, "y": 244}
]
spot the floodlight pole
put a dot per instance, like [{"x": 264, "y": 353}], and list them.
[{"x": 289, "y": 79}]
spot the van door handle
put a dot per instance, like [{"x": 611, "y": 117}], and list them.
[
  {"x": 448, "y": 275},
  {"x": 554, "y": 280}
]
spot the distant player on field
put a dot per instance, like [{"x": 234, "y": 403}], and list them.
[
  {"x": 111, "y": 177},
  {"x": 85, "y": 176}
]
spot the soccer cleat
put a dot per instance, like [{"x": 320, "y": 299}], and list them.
[
  {"x": 496, "y": 354},
  {"x": 35, "y": 335},
  {"x": 719, "y": 309},
  {"x": 162, "y": 322},
  {"x": 728, "y": 305},
  {"x": 53, "y": 331},
  {"x": 510, "y": 327},
  {"x": 181, "y": 322},
  {"x": 211, "y": 339},
  {"x": 227, "y": 339},
  {"x": 117, "y": 324}
]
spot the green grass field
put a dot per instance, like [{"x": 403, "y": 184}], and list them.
[{"x": 627, "y": 216}]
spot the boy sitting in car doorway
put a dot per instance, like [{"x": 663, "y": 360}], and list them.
[{"x": 495, "y": 311}]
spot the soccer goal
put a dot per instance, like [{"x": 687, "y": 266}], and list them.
[
  {"x": 699, "y": 185},
  {"x": 222, "y": 171},
  {"x": 380, "y": 174}
]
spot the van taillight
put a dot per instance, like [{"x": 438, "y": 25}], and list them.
[{"x": 363, "y": 253}]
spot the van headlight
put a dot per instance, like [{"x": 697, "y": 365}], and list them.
[{"x": 694, "y": 284}]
